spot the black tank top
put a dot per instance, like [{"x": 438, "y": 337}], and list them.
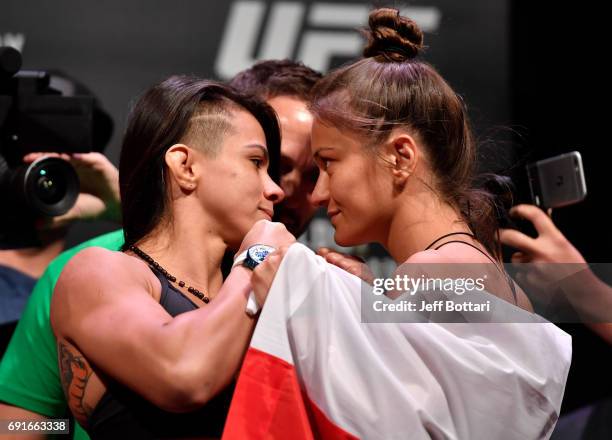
[{"x": 121, "y": 413}]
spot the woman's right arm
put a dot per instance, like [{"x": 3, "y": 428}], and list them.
[{"x": 103, "y": 305}]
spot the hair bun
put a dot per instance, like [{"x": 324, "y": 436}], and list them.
[
  {"x": 502, "y": 191},
  {"x": 393, "y": 36}
]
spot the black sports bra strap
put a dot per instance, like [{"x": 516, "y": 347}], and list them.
[
  {"x": 448, "y": 235},
  {"x": 469, "y": 244},
  {"x": 510, "y": 281}
]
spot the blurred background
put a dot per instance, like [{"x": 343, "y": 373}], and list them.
[{"x": 525, "y": 69}]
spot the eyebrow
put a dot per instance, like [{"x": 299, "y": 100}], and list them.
[
  {"x": 316, "y": 153},
  {"x": 262, "y": 148}
]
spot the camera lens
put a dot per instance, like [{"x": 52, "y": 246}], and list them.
[{"x": 50, "y": 187}]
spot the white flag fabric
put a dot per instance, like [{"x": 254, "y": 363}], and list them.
[{"x": 314, "y": 370}]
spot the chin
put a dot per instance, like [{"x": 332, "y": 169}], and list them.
[
  {"x": 353, "y": 233},
  {"x": 343, "y": 238},
  {"x": 235, "y": 236}
]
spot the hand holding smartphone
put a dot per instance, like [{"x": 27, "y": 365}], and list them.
[{"x": 557, "y": 181}]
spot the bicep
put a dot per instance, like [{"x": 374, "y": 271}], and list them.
[
  {"x": 124, "y": 337},
  {"x": 116, "y": 324}
]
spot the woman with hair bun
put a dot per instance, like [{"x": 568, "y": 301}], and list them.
[
  {"x": 390, "y": 128},
  {"x": 397, "y": 166}
]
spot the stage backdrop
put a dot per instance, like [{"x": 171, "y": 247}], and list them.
[{"x": 119, "y": 48}]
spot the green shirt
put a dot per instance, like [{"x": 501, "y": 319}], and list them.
[{"x": 29, "y": 375}]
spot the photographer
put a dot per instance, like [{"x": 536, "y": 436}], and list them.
[
  {"x": 52, "y": 130},
  {"x": 20, "y": 268}
]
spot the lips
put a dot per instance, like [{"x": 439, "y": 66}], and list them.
[
  {"x": 269, "y": 212},
  {"x": 332, "y": 213}
]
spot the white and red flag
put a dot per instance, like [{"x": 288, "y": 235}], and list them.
[{"x": 314, "y": 370}]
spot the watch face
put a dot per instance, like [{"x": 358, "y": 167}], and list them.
[{"x": 259, "y": 252}]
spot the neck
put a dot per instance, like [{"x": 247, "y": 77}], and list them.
[
  {"x": 188, "y": 250},
  {"x": 418, "y": 222},
  {"x": 32, "y": 261}
]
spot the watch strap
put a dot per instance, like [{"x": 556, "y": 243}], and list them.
[{"x": 239, "y": 259}]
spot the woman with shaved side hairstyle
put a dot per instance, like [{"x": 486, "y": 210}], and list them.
[{"x": 150, "y": 338}]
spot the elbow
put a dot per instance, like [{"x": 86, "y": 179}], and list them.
[{"x": 186, "y": 389}]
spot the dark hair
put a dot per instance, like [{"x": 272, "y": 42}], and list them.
[
  {"x": 390, "y": 88},
  {"x": 163, "y": 116},
  {"x": 271, "y": 78}
]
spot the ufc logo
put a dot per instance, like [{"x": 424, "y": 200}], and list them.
[{"x": 312, "y": 34}]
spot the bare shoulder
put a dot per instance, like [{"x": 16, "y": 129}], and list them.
[
  {"x": 457, "y": 253},
  {"x": 95, "y": 264},
  {"x": 429, "y": 256},
  {"x": 96, "y": 276}
]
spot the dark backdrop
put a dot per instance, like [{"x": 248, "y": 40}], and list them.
[{"x": 558, "y": 99}]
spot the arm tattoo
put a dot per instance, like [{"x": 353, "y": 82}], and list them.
[{"x": 75, "y": 373}]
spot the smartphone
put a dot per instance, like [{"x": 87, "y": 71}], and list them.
[{"x": 557, "y": 181}]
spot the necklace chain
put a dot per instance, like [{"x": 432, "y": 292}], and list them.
[{"x": 154, "y": 264}]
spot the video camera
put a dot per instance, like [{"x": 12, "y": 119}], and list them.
[{"x": 41, "y": 111}]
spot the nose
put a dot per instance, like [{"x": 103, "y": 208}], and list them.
[
  {"x": 320, "y": 194},
  {"x": 272, "y": 191}
]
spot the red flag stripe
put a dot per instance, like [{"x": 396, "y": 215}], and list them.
[{"x": 268, "y": 403}]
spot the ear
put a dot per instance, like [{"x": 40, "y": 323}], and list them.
[
  {"x": 180, "y": 159},
  {"x": 403, "y": 156}
]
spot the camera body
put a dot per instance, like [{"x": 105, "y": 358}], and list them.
[{"x": 41, "y": 112}]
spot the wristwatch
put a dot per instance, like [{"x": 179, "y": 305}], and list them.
[{"x": 253, "y": 256}]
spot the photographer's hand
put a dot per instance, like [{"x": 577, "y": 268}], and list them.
[
  {"x": 543, "y": 253},
  {"x": 550, "y": 246},
  {"x": 99, "y": 196},
  {"x": 591, "y": 297}
]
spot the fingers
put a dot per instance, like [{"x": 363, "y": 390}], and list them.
[
  {"x": 341, "y": 260},
  {"x": 31, "y": 157},
  {"x": 263, "y": 275},
  {"x": 535, "y": 215},
  {"x": 279, "y": 252},
  {"x": 92, "y": 160},
  {"x": 323, "y": 251},
  {"x": 350, "y": 264},
  {"x": 266, "y": 232},
  {"x": 517, "y": 240},
  {"x": 96, "y": 162},
  {"x": 91, "y": 157},
  {"x": 270, "y": 264}
]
